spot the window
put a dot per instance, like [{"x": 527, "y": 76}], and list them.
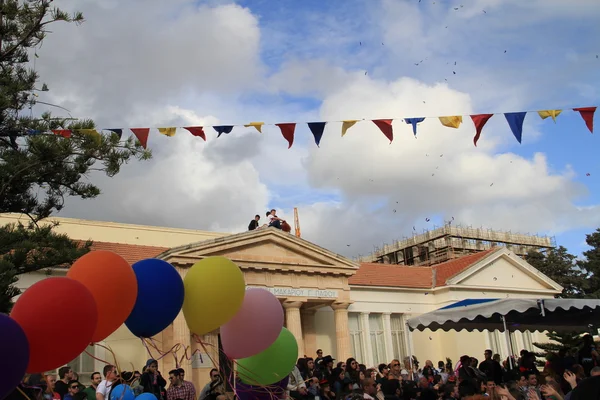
[
  {"x": 398, "y": 346},
  {"x": 377, "y": 338},
  {"x": 355, "y": 336},
  {"x": 83, "y": 365}
]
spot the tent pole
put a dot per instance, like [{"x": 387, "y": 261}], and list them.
[
  {"x": 410, "y": 354},
  {"x": 509, "y": 347}
]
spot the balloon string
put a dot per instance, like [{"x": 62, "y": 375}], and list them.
[
  {"x": 23, "y": 393},
  {"x": 107, "y": 348}
]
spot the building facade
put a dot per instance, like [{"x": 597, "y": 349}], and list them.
[{"x": 345, "y": 308}]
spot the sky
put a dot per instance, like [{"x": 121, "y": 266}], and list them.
[{"x": 153, "y": 63}]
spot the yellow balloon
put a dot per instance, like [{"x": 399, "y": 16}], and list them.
[{"x": 214, "y": 292}]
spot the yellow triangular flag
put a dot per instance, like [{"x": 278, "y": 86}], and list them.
[
  {"x": 549, "y": 113},
  {"x": 167, "y": 131},
  {"x": 257, "y": 125},
  {"x": 347, "y": 125},
  {"x": 451, "y": 122}
]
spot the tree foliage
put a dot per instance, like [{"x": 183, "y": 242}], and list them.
[
  {"x": 559, "y": 265},
  {"x": 38, "y": 169},
  {"x": 591, "y": 265}
]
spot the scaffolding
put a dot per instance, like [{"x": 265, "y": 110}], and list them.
[{"x": 453, "y": 241}]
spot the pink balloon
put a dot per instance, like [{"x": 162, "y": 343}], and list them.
[{"x": 255, "y": 327}]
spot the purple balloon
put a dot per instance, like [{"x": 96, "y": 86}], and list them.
[
  {"x": 271, "y": 392},
  {"x": 14, "y": 355}
]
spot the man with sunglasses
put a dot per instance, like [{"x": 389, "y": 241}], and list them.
[{"x": 73, "y": 388}]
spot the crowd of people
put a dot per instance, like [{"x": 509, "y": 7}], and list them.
[
  {"x": 570, "y": 375},
  {"x": 66, "y": 386},
  {"x": 565, "y": 377}
]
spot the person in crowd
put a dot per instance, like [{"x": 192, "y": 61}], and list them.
[
  {"x": 313, "y": 387},
  {"x": 110, "y": 375},
  {"x": 50, "y": 392},
  {"x": 152, "y": 381},
  {"x": 178, "y": 390},
  {"x": 215, "y": 389},
  {"x": 382, "y": 372},
  {"x": 65, "y": 374},
  {"x": 369, "y": 388},
  {"x": 337, "y": 381},
  {"x": 326, "y": 392},
  {"x": 428, "y": 371},
  {"x": 491, "y": 368},
  {"x": 253, "y": 225},
  {"x": 588, "y": 356},
  {"x": 319, "y": 357},
  {"x": 74, "y": 388},
  {"x": 306, "y": 367},
  {"x": 90, "y": 391},
  {"x": 189, "y": 384},
  {"x": 273, "y": 220},
  {"x": 326, "y": 368},
  {"x": 296, "y": 386}
]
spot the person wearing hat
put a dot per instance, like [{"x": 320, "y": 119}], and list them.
[{"x": 152, "y": 381}]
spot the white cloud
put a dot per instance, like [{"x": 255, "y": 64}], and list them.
[{"x": 156, "y": 63}]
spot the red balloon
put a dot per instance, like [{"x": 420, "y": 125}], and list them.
[
  {"x": 59, "y": 318},
  {"x": 112, "y": 282}
]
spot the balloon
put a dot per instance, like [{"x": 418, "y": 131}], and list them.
[
  {"x": 159, "y": 297},
  {"x": 45, "y": 311},
  {"x": 255, "y": 327},
  {"x": 249, "y": 392},
  {"x": 121, "y": 392},
  {"x": 112, "y": 282},
  {"x": 271, "y": 365},
  {"x": 146, "y": 396},
  {"x": 214, "y": 291},
  {"x": 14, "y": 354}
]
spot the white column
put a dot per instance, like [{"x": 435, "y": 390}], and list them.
[
  {"x": 342, "y": 335},
  {"x": 387, "y": 335},
  {"x": 293, "y": 322},
  {"x": 365, "y": 339}
]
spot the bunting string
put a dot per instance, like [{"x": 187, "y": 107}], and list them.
[{"x": 515, "y": 122}]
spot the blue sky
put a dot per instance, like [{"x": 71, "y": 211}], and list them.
[{"x": 225, "y": 61}]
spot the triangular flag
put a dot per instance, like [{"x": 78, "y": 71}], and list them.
[
  {"x": 515, "y": 121},
  {"x": 66, "y": 133},
  {"x": 257, "y": 125},
  {"x": 223, "y": 129},
  {"x": 170, "y": 132},
  {"x": 451, "y": 122},
  {"x": 142, "y": 135},
  {"x": 33, "y": 131},
  {"x": 587, "y": 113},
  {"x": 317, "y": 129},
  {"x": 347, "y": 125},
  {"x": 385, "y": 125},
  {"x": 549, "y": 113},
  {"x": 479, "y": 120},
  {"x": 118, "y": 132},
  {"x": 414, "y": 122},
  {"x": 196, "y": 131},
  {"x": 287, "y": 130}
]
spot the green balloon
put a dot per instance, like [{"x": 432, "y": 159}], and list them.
[{"x": 271, "y": 365}]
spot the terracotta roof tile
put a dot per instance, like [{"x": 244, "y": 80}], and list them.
[
  {"x": 373, "y": 274},
  {"x": 390, "y": 275},
  {"x": 130, "y": 252}
]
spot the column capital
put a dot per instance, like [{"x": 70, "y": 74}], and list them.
[
  {"x": 340, "y": 306},
  {"x": 292, "y": 304},
  {"x": 365, "y": 313},
  {"x": 387, "y": 314}
]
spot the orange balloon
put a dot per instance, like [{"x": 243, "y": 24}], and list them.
[{"x": 112, "y": 282}]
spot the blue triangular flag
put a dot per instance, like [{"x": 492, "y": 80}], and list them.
[
  {"x": 118, "y": 132},
  {"x": 414, "y": 122},
  {"x": 33, "y": 131},
  {"x": 317, "y": 129},
  {"x": 515, "y": 121},
  {"x": 223, "y": 129}
]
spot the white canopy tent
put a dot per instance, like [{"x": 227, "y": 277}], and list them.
[{"x": 510, "y": 315}]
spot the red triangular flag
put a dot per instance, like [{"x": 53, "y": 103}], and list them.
[
  {"x": 287, "y": 130},
  {"x": 142, "y": 135},
  {"x": 479, "y": 120},
  {"x": 587, "y": 113},
  {"x": 196, "y": 131},
  {"x": 66, "y": 133},
  {"x": 385, "y": 125}
]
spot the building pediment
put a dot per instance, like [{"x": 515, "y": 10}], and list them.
[
  {"x": 265, "y": 249},
  {"x": 503, "y": 269}
]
